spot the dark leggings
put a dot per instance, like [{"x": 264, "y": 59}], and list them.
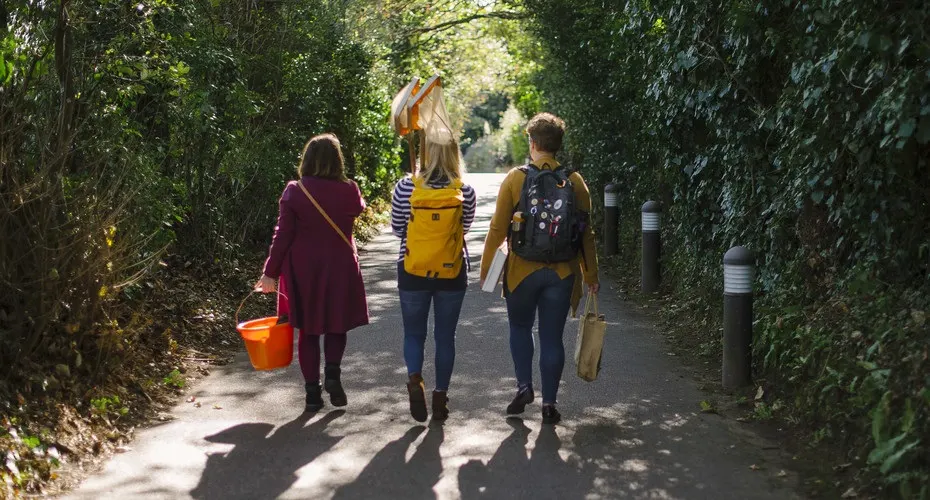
[{"x": 308, "y": 351}]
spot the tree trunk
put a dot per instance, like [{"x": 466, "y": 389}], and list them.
[{"x": 63, "y": 41}]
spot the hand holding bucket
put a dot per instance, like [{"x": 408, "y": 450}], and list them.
[{"x": 270, "y": 343}]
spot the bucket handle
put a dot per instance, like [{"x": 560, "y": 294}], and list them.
[{"x": 236, "y": 316}]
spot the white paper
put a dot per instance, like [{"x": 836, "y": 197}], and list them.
[{"x": 495, "y": 271}]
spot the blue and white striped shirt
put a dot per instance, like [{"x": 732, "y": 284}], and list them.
[{"x": 400, "y": 209}]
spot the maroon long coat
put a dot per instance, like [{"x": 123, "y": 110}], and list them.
[{"x": 320, "y": 272}]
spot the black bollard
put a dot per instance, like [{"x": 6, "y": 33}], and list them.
[
  {"x": 737, "y": 318},
  {"x": 611, "y": 219},
  {"x": 652, "y": 247}
]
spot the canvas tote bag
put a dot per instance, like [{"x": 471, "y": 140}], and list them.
[{"x": 590, "y": 341}]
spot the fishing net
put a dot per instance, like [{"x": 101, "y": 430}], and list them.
[{"x": 421, "y": 107}]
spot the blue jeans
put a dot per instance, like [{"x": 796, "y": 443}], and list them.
[
  {"x": 414, "y": 306},
  {"x": 544, "y": 292}
]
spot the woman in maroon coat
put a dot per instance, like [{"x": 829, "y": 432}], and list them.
[{"x": 318, "y": 264}]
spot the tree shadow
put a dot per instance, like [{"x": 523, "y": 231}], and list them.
[
  {"x": 390, "y": 475},
  {"x": 260, "y": 465},
  {"x": 513, "y": 473}
]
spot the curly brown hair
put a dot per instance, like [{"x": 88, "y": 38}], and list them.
[{"x": 546, "y": 131}]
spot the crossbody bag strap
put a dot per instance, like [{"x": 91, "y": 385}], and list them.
[{"x": 325, "y": 215}]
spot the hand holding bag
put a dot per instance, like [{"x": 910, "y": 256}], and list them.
[{"x": 590, "y": 342}]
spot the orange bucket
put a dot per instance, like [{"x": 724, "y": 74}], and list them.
[{"x": 269, "y": 344}]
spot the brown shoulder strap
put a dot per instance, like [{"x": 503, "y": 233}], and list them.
[{"x": 325, "y": 215}]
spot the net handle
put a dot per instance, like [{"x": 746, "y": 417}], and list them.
[{"x": 239, "y": 309}]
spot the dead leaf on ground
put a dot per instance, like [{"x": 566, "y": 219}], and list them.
[
  {"x": 782, "y": 473},
  {"x": 850, "y": 493},
  {"x": 217, "y": 407},
  {"x": 755, "y": 467},
  {"x": 197, "y": 405}
]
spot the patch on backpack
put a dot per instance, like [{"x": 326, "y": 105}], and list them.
[{"x": 435, "y": 216}]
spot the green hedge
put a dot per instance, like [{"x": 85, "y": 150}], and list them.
[
  {"x": 798, "y": 129},
  {"x": 128, "y": 128}
]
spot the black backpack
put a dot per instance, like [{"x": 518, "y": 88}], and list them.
[{"x": 552, "y": 227}]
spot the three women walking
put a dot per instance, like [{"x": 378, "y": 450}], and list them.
[{"x": 542, "y": 214}]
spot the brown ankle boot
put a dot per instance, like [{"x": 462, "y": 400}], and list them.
[
  {"x": 440, "y": 405},
  {"x": 417, "y": 391}
]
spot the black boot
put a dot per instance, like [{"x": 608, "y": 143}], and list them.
[
  {"x": 333, "y": 385},
  {"x": 440, "y": 406},
  {"x": 314, "y": 397},
  {"x": 416, "y": 389},
  {"x": 524, "y": 397},
  {"x": 550, "y": 415}
]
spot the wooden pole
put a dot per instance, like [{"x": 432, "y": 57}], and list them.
[
  {"x": 423, "y": 158},
  {"x": 412, "y": 150}
]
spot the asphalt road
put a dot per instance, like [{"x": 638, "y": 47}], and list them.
[{"x": 636, "y": 432}]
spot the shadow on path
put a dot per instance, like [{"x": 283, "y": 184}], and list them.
[
  {"x": 262, "y": 466},
  {"x": 512, "y": 473},
  {"x": 390, "y": 475}
]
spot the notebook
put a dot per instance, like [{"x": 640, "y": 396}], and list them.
[{"x": 495, "y": 271}]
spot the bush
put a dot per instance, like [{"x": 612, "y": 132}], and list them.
[
  {"x": 801, "y": 130},
  {"x": 130, "y": 128}
]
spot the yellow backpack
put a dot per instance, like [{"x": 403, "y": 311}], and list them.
[{"x": 435, "y": 233}]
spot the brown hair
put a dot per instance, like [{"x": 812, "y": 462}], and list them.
[
  {"x": 322, "y": 157},
  {"x": 546, "y": 131}
]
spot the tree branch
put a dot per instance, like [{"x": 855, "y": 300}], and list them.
[{"x": 504, "y": 14}]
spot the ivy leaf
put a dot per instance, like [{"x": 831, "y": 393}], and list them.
[
  {"x": 864, "y": 38},
  {"x": 817, "y": 196},
  {"x": 889, "y": 463},
  {"x": 907, "y": 128}
]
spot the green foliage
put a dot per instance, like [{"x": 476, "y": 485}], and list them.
[
  {"x": 110, "y": 406},
  {"x": 130, "y": 129},
  {"x": 801, "y": 130},
  {"x": 175, "y": 379}
]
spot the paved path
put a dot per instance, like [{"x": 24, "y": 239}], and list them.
[{"x": 635, "y": 433}]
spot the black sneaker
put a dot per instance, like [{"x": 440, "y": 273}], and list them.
[
  {"x": 314, "y": 397},
  {"x": 550, "y": 415},
  {"x": 524, "y": 397},
  {"x": 333, "y": 385},
  {"x": 417, "y": 391}
]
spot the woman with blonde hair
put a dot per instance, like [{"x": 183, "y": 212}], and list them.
[
  {"x": 314, "y": 255},
  {"x": 431, "y": 211}
]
